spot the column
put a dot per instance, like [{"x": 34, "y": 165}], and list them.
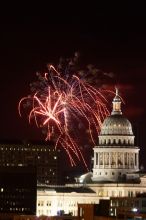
[
  {"x": 94, "y": 165},
  {"x": 109, "y": 159},
  {"x": 103, "y": 159},
  {"x": 127, "y": 160},
  {"x": 133, "y": 155},
  {"x": 128, "y": 156},
  {"x": 100, "y": 159},
  {"x": 123, "y": 155},
  {"x": 116, "y": 159},
  {"x": 137, "y": 160}
]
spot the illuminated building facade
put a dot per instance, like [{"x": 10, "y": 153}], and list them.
[
  {"x": 51, "y": 200},
  {"x": 45, "y": 158}
]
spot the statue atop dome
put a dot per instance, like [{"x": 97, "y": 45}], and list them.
[{"x": 116, "y": 104}]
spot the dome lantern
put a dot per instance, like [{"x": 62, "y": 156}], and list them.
[
  {"x": 116, "y": 123},
  {"x": 116, "y": 104}
]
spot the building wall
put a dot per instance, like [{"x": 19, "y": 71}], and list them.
[
  {"x": 69, "y": 201},
  {"x": 44, "y": 157},
  {"x": 18, "y": 188},
  {"x": 49, "y": 202},
  {"x": 112, "y": 163},
  {"x": 86, "y": 211}
]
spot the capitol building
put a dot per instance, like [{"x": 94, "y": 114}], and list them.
[{"x": 115, "y": 170}]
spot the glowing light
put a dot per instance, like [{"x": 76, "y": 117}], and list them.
[
  {"x": 134, "y": 209},
  {"x": 59, "y": 104}
]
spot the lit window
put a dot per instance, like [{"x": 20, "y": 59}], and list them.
[{"x": 20, "y": 164}]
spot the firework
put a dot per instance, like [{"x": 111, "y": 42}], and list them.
[{"x": 59, "y": 103}]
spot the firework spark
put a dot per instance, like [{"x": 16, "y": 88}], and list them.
[{"x": 58, "y": 103}]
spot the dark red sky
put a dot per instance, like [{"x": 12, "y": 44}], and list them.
[{"x": 112, "y": 38}]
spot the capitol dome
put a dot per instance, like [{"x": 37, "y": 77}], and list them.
[{"x": 116, "y": 125}]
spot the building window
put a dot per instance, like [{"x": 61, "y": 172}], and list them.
[
  {"x": 81, "y": 211},
  {"x": 144, "y": 203},
  {"x": 120, "y": 193},
  {"x": 100, "y": 193},
  {"x": 48, "y": 203}
]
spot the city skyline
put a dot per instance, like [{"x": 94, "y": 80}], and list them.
[{"x": 29, "y": 42}]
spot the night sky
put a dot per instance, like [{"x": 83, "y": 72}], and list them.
[{"x": 112, "y": 38}]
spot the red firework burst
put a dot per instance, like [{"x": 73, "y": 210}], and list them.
[{"x": 57, "y": 103}]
